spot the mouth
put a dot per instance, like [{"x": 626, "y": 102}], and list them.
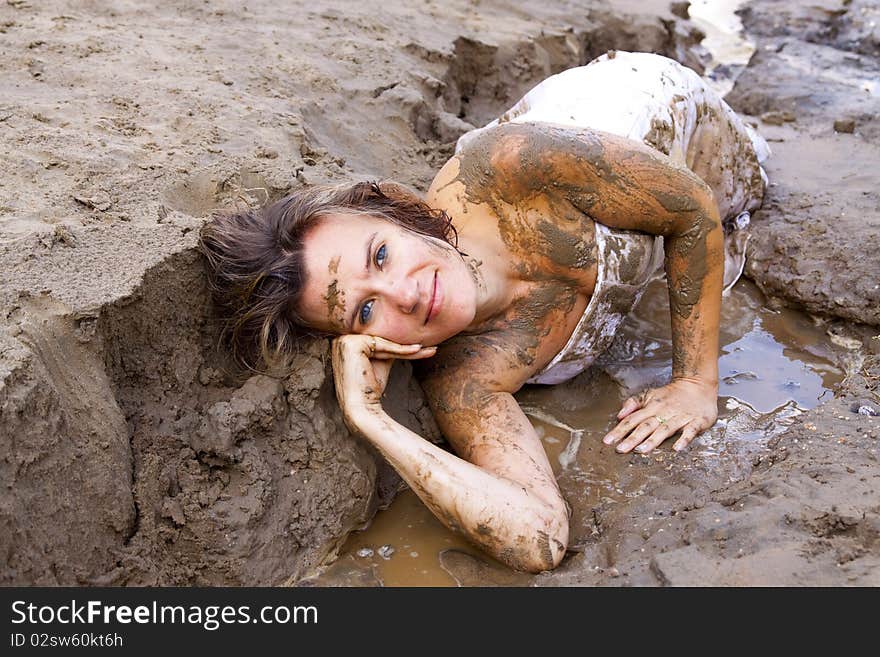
[{"x": 433, "y": 306}]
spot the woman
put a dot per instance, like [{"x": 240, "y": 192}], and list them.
[{"x": 558, "y": 208}]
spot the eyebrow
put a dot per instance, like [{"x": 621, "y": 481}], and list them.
[{"x": 366, "y": 269}]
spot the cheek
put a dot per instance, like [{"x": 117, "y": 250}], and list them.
[{"x": 398, "y": 328}]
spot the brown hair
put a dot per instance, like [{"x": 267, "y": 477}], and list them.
[{"x": 256, "y": 266}]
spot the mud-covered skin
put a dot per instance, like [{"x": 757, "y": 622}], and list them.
[
  {"x": 691, "y": 247},
  {"x": 547, "y": 239},
  {"x": 335, "y": 300},
  {"x": 629, "y": 259},
  {"x": 518, "y": 195},
  {"x": 425, "y": 467},
  {"x": 520, "y": 519},
  {"x": 573, "y": 178}
]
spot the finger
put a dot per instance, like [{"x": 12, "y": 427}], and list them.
[
  {"x": 424, "y": 352},
  {"x": 649, "y": 428},
  {"x": 637, "y": 435},
  {"x": 630, "y": 405},
  {"x": 625, "y": 426},
  {"x": 381, "y": 345},
  {"x": 661, "y": 433},
  {"x": 384, "y": 344},
  {"x": 687, "y": 435}
]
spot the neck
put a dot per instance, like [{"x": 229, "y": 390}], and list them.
[{"x": 495, "y": 293}]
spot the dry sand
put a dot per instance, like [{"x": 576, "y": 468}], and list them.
[{"x": 131, "y": 452}]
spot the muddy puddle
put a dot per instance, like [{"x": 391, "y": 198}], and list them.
[{"x": 775, "y": 363}]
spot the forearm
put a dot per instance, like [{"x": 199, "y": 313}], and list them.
[
  {"x": 694, "y": 271},
  {"x": 500, "y": 515}
]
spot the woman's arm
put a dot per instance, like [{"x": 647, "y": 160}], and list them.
[
  {"x": 624, "y": 184},
  {"x": 647, "y": 192},
  {"x": 504, "y": 497}
]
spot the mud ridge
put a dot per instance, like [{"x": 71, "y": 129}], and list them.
[{"x": 235, "y": 478}]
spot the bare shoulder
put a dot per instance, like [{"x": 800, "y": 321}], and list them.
[
  {"x": 517, "y": 165},
  {"x": 490, "y": 158},
  {"x": 617, "y": 181}
]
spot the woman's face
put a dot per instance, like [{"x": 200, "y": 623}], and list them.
[{"x": 368, "y": 275}]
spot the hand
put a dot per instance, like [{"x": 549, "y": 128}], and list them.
[
  {"x": 361, "y": 365},
  {"x": 649, "y": 418}
]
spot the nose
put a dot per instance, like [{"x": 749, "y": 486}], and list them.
[{"x": 403, "y": 294}]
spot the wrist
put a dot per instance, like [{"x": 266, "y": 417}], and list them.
[
  {"x": 364, "y": 417},
  {"x": 706, "y": 383}
]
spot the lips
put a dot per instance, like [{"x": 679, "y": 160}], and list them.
[{"x": 433, "y": 303}]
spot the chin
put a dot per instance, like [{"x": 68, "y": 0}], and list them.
[{"x": 439, "y": 337}]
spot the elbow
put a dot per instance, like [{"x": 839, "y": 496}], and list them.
[
  {"x": 552, "y": 539},
  {"x": 549, "y": 539},
  {"x": 550, "y": 547},
  {"x": 708, "y": 207},
  {"x": 544, "y": 542}
]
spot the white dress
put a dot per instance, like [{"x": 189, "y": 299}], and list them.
[{"x": 656, "y": 101}]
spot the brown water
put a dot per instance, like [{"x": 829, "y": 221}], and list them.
[{"x": 774, "y": 364}]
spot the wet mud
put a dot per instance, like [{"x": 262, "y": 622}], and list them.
[
  {"x": 134, "y": 452},
  {"x": 777, "y": 368},
  {"x": 783, "y": 489},
  {"x": 816, "y": 67}
]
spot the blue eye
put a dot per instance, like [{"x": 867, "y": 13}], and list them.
[
  {"x": 366, "y": 311},
  {"x": 367, "y": 308}
]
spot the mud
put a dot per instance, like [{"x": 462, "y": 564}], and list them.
[
  {"x": 692, "y": 249},
  {"x": 133, "y": 451},
  {"x": 816, "y": 65},
  {"x": 772, "y": 495},
  {"x": 776, "y": 365},
  {"x": 335, "y": 300}
]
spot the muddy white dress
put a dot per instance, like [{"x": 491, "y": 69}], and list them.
[{"x": 658, "y": 102}]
